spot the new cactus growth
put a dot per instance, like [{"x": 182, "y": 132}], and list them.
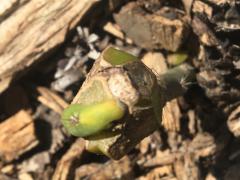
[
  {"x": 119, "y": 86},
  {"x": 84, "y": 120},
  {"x": 118, "y": 57}
]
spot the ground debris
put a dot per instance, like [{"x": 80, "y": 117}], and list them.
[
  {"x": 234, "y": 122},
  {"x": 51, "y": 100},
  {"x": 65, "y": 167},
  {"x": 163, "y": 172},
  {"x": 110, "y": 170},
  {"x": 154, "y": 30},
  {"x": 171, "y": 116},
  {"x": 18, "y": 126},
  {"x": 37, "y": 163}
]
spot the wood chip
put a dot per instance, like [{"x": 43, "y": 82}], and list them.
[
  {"x": 188, "y": 5},
  {"x": 206, "y": 35},
  {"x": 156, "y": 62},
  {"x": 25, "y": 176},
  {"x": 26, "y": 36},
  {"x": 192, "y": 123},
  {"x": 37, "y": 163},
  {"x": 171, "y": 116},
  {"x": 115, "y": 31},
  {"x": 187, "y": 168},
  {"x": 221, "y": 2},
  {"x": 210, "y": 176},
  {"x": 51, "y": 100},
  {"x": 201, "y": 7},
  {"x": 65, "y": 165},
  {"x": 158, "y": 173},
  {"x": 153, "y": 31},
  {"x": 111, "y": 170},
  {"x": 8, "y": 169},
  {"x": 203, "y": 145},
  {"x": 87, "y": 170},
  {"x": 234, "y": 122},
  {"x": 17, "y": 135},
  {"x": 162, "y": 158},
  {"x": 144, "y": 145}
]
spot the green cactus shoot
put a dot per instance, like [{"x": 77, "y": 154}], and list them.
[{"x": 84, "y": 120}]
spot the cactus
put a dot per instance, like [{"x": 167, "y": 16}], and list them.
[
  {"x": 119, "y": 80},
  {"x": 84, "y": 120}
]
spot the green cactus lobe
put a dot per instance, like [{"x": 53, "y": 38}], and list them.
[
  {"x": 84, "y": 120},
  {"x": 117, "y": 57}
]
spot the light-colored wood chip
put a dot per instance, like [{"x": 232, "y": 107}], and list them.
[
  {"x": 171, "y": 116},
  {"x": 25, "y": 176},
  {"x": 186, "y": 168},
  {"x": 110, "y": 170},
  {"x": 203, "y": 145},
  {"x": 17, "y": 135},
  {"x": 234, "y": 122},
  {"x": 8, "y": 169},
  {"x": 192, "y": 122},
  {"x": 115, "y": 31},
  {"x": 210, "y": 176},
  {"x": 201, "y": 7},
  {"x": 156, "y": 62},
  {"x": 162, "y": 158},
  {"x": 29, "y": 30},
  {"x": 51, "y": 100},
  {"x": 64, "y": 166},
  {"x": 158, "y": 173}
]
